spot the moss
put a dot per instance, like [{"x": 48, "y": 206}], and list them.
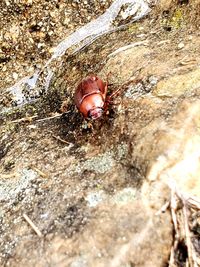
[
  {"x": 133, "y": 28},
  {"x": 174, "y": 21},
  {"x": 177, "y": 19}
]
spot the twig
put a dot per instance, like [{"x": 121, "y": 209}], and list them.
[
  {"x": 163, "y": 208},
  {"x": 172, "y": 256},
  {"x": 173, "y": 212},
  {"x": 25, "y": 119},
  {"x": 187, "y": 234},
  {"x": 60, "y": 139},
  {"x": 9, "y": 175},
  {"x": 49, "y": 118},
  {"x": 34, "y": 227},
  {"x": 40, "y": 172},
  {"x": 145, "y": 43},
  {"x": 163, "y": 42},
  {"x": 29, "y": 119},
  {"x": 191, "y": 253},
  {"x": 187, "y": 202},
  {"x": 193, "y": 203},
  {"x": 175, "y": 222}
]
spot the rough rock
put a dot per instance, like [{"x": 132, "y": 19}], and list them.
[{"x": 96, "y": 189}]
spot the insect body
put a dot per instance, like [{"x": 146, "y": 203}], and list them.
[{"x": 91, "y": 97}]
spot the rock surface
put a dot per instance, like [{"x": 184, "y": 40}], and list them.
[{"x": 95, "y": 190}]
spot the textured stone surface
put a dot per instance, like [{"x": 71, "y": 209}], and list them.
[
  {"x": 178, "y": 85},
  {"x": 95, "y": 189}
]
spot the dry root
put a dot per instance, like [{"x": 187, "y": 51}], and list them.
[{"x": 185, "y": 211}]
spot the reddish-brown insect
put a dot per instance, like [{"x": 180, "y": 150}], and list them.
[{"x": 91, "y": 97}]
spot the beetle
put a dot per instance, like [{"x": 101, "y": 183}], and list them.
[{"x": 91, "y": 97}]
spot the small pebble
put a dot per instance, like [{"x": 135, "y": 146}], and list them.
[
  {"x": 29, "y": 2},
  {"x": 141, "y": 28},
  {"x": 4, "y": 68},
  {"x": 15, "y": 75},
  {"x": 66, "y": 21},
  {"x": 180, "y": 45}
]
